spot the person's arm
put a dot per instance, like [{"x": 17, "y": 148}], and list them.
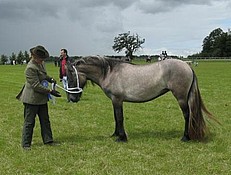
[{"x": 33, "y": 79}]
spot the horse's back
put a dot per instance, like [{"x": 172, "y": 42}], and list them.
[
  {"x": 140, "y": 83},
  {"x": 166, "y": 69}
]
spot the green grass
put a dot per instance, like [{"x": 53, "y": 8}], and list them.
[{"x": 154, "y": 131}]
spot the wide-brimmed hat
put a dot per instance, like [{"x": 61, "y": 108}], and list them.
[{"x": 39, "y": 51}]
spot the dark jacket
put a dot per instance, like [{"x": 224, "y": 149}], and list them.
[{"x": 33, "y": 91}]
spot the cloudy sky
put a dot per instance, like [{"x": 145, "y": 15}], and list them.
[{"x": 88, "y": 27}]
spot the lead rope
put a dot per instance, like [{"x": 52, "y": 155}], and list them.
[{"x": 76, "y": 89}]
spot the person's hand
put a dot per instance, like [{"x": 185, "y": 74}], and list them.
[
  {"x": 55, "y": 93},
  {"x": 53, "y": 81}
]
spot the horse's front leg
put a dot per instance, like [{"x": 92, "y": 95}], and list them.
[{"x": 119, "y": 123}]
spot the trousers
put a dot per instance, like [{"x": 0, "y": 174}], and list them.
[
  {"x": 65, "y": 85},
  {"x": 30, "y": 112}
]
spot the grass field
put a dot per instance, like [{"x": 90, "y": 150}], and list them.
[{"x": 83, "y": 130}]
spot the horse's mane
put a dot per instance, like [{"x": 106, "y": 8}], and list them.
[{"x": 104, "y": 63}]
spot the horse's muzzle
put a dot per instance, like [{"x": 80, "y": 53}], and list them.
[{"x": 75, "y": 97}]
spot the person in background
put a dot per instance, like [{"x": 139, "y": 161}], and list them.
[
  {"x": 34, "y": 96},
  {"x": 64, "y": 59}
]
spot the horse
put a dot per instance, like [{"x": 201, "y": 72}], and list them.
[{"x": 127, "y": 82}]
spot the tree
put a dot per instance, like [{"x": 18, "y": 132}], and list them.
[
  {"x": 207, "y": 45},
  {"x": 26, "y": 56},
  {"x": 4, "y": 59},
  {"x": 131, "y": 43},
  {"x": 215, "y": 45},
  {"x": 12, "y": 58},
  {"x": 20, "y": 57},
  {"x": 228, "y": 45}
]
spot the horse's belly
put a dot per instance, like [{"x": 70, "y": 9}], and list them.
[
  {"x": 142, "y": 84},
  {"x": 144, "y": 91}
]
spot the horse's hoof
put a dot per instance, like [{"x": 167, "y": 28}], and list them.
[
  {"x": 185, "y": 139},
  {"x": 121, "y": 140}
]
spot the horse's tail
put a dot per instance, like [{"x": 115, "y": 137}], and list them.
[{"x": 197, "y": 125}]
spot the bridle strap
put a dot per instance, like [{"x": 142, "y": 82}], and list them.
[
  {"x": 69, "y": 91},
  {"x": 74, "y": 90}
]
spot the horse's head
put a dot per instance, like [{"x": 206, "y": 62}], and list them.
[
  {"x": 76, "y": 82},
  {"x": 91, "y": 68}
]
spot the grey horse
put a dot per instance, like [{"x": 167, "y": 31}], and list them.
[{"x": 126, "y": 82}]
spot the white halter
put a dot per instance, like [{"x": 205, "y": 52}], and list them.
[{"x": 74, "y": 90}]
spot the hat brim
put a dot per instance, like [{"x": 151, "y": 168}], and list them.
[{"x": 39, "y": 52}]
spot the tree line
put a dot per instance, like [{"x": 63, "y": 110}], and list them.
[
  {"x": 20, "y": 58},
  {"x": 216, "y": 44}
]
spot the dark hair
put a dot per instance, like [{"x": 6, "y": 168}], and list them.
[{"x": 64, "y": 50}]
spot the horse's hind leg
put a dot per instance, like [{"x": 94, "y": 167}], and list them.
[
  {"x": 180, "y": 90},
  {"x": 185, "y": 110},
  {"x": 116, "y": 132}
]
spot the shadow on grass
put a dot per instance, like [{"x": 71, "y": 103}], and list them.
[
  {"x": 138, "y": 135},
  {"x": 167, "y": 135},
  {"x": 163, "y": 135},
  {"x": 133, "y": 135}
]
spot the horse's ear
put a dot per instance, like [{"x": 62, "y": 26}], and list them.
[{"x": 78, "y": 62}]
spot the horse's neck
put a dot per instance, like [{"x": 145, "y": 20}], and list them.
[{"x": 95, "y": 77}]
